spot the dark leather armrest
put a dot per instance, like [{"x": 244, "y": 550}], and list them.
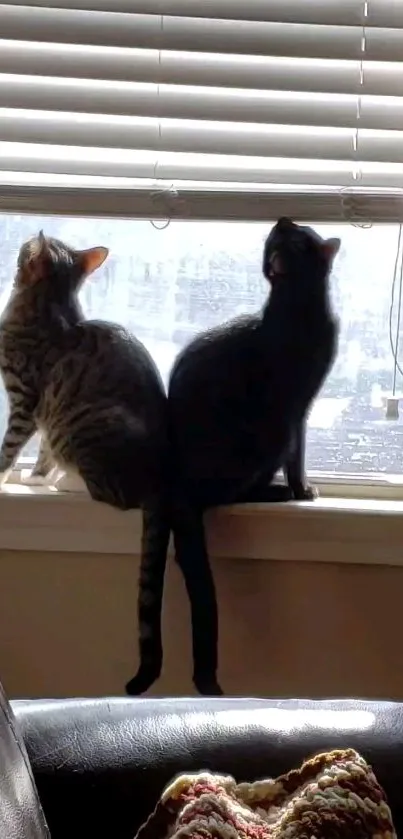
[
  {"x": 100, "y": 765},
  {"x": 21, "y": 815}
]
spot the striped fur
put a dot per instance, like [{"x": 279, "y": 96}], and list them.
[{"x": 95, "y": 394}]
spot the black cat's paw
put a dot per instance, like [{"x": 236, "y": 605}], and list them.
[
  {"x": 306, "y": 493},
  {"x": 142, "y": 681},
  {"x": 207, "y": 686}
]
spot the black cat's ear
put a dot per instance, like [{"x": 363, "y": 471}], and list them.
[
  {"x": 91, "y": 259},
  {"x": 331, "y": 248},
  {"x": 285, "y": 224},
  {"x": 33, "y": 260}
]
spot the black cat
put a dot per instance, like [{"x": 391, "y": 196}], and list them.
[{"x": 238, "y": 400}]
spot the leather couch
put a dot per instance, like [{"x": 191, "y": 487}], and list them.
[{"x": 100, "y": 765}]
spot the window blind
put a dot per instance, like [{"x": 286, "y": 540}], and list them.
[{"x": 203, "y": 108}]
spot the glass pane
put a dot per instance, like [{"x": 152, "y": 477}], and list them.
[{"x": 168, "y": 284}]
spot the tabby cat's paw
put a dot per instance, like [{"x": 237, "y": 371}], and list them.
[
  {"x": 33, "y": 479},
  {"x": 4, "y": 476}
]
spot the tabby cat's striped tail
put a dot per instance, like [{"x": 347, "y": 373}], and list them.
[{"x": 154, "y": 549}]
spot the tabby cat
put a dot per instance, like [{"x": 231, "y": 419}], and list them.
[
  {"x": 238, "y": 399},
  {"x": 95, "y": 394}
]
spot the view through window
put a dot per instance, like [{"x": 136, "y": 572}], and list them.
[{"x": 166, "y": 283}]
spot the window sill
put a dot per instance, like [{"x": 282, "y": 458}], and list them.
[{"x": 343, "y": 530}]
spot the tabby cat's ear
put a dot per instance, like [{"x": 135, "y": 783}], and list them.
[
  {"x": 92, "y": 259},
  {"x": 34, "y": 260}
]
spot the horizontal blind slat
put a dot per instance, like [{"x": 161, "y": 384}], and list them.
[
  {"x": 188, "y": 103},
  {"x": 380, "y": 146},
  {"x": 337, "y": 12},
  {"x": 383, "y": 79},
  {"x": 173, "y": 67},
  {"x": 167, "y": 166},
  {"x": 178, "y": 102},
  {"x": 203, "y": 138},
  {"x": 260, "y": 73},
  {"x": 199, "y": 34},
  {"x": 79, "y": 27},
  {"x": 72, "y": 61},
  {"x": 174, "y": 135},
  {"x": 264, "y": 141},
  {"x": 170, "y": 167},
  {"x": 75, "y": 160},
  {"x": 381, "y": 112},
  {"x": 78, "y": 130},
  {"x": 385, "y": 13},
  {"x": 384, "y": 45},
  {"x": 248, "y": 72},
  {"x": 381, "y": 13},
  {"x": 276, "y": 141}
]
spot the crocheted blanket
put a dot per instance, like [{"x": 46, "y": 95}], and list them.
[{"x": 332, "y": 796}]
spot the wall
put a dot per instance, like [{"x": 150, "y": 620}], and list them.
[{"x": 68, "y": 627}]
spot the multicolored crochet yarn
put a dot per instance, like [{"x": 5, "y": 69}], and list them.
[{"x": 332, "y": 796}]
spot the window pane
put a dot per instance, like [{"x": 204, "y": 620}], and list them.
[{"x": 168, "y": 284}]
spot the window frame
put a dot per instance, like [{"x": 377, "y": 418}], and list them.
[
  {"x": 336, "y": 530},
  {"x": 382, "y": 487}
]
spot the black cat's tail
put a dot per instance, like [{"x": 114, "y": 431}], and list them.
[
  {"x": 154, "y": 549},
  {"x": 192, "y": 558}
]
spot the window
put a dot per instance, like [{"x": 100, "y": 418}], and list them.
[
  {"x": 202, "y": 116},
  {"x": 168, "y": 284}
]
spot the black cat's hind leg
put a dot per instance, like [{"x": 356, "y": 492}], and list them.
[{"x": 192, "y": 558}]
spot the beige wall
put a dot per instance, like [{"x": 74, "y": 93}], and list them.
[{"x": 68, "y": 627}]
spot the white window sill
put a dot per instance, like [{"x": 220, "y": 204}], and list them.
[{"x": 352, "y": 530}]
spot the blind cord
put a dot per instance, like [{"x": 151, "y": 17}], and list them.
[{"x": 395, "y": 342}]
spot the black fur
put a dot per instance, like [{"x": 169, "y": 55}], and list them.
[{"x": 238, "y": 400}]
